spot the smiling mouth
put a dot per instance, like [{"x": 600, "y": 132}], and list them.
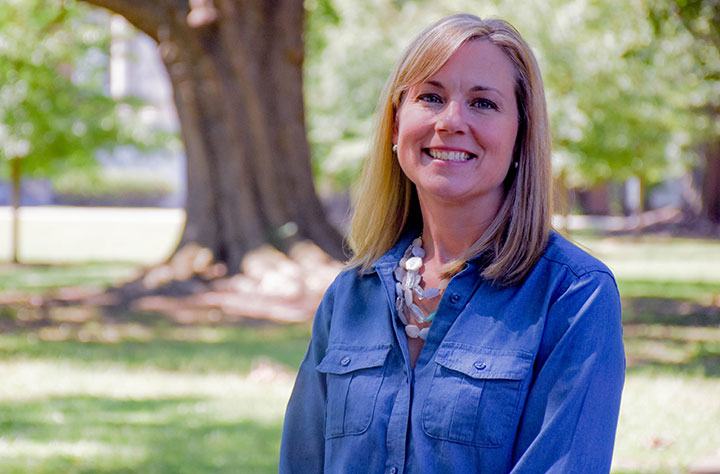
[{"x": 449, "y": 155}]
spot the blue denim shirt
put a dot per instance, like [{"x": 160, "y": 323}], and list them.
[{"x": 519, "y": 379}]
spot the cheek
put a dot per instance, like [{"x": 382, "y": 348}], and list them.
[
  {"x": 411, "y": 124},
  {"x": 502, "y": 138}
]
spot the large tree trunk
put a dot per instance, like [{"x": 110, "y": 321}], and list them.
[{"x": 237, "y": 82}]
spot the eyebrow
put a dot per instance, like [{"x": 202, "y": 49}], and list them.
[{"x": 478, "y": 88}]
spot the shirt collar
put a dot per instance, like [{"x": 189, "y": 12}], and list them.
[{"x": 394, "y": 255}]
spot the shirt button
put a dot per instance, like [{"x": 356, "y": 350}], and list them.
[
  {"x": 393, "y": 471},
  {"x": 345, "y": 361},
  {"x": 479, "y": 365},
  {"x": 454, "y": 298}
]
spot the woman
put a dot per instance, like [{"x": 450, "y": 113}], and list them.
[{"x": 465, "y": 336}]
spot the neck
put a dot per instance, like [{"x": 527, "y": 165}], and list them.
[{"x": 449, "y": 230}]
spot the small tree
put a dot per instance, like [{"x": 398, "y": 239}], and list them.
[
  {"x": 54, "y": 115},
  {"x": 701, "y": 19}
]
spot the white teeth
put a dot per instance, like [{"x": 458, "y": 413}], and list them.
[{"x": 449, "y": 155}]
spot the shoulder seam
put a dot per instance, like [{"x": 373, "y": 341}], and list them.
[{"x": 582, "y": 271}]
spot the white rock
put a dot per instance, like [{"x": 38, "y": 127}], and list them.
[
  {"x": 399, "y": 273},
  {"x": 417, "y": 242},
  {"x": 408, "y": 252},
  {"x": 399, "y": 303},
  {"x": 423, "y": 333},
  {"x": 408, "y": 297},
  {"x": 407, "y": 282},
  {"x": 398, "y": 289},
  {"x": 430, "y": 292},
  {"x": 402, "y": 316},
  {"x": 412, "y": 331},
  {"x": 411, "y": 279},
  {"x": 418, "y": 252},
  {"x": 417, "y": 312},
  {"x": 413, "y": 264}
]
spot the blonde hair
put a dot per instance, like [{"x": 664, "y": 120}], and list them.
[{"x": 386, "y": 198}]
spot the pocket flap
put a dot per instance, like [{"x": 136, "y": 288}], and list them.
[
  {"x": 483, "y": 362},
  {"x": 342, "y": 360}
]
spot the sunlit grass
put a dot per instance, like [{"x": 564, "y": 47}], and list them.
[
  {"x": 650, "y": 258},
  {"x": 666, "y": 423},
  {"x": 189, "y": 400},
  {"x": 56, "y": 234},
  {"x": 45, "y": 277},
  {"x": 83, "y": 420},
  {"x": 706, "y": 292}
]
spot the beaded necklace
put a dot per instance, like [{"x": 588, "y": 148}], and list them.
[{"x": 407, "y": 288}]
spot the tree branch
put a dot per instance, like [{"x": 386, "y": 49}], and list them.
[{"x": 147, "y": 16}]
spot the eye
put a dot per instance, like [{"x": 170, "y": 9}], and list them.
[
  {"x": 430, "y": 98},
  {"x": 484, "y": 104}
]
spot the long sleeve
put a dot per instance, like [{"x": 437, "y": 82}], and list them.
[
  {"x": 302, "y": 447},
  {"x": 570, "y": 416}
]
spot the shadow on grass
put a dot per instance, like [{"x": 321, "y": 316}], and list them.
[
  {"x": 703, "y": 362},
  {"x": 670, "y": 311},
  {"x": 670, "y": 326},
  {"x": 102, "y": 435},
  {"x": 673, "y": 335},
  {"x": 147, "y": 340}
]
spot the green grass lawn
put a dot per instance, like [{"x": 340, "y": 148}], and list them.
[
  {"x": 157, "y": 400},
  {"x": 85, "y": 391},
  {"x": 59, "y": 234},
  {"x": 42, "y": 277}
]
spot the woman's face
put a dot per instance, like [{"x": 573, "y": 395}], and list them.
[{"x": 456, "y": 132}]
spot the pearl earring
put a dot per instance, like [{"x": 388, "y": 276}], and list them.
[{"x": 394, "y": 149}]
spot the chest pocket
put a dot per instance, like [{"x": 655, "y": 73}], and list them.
[
  {"x": 354, "y": 376},
  {"x": 475, "y": 393}
]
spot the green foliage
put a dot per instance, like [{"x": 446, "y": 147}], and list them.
[
  {"x": 700, "y": 17},
  {"x": 701, "y": 20},
  {"x": 622, "y": 94},
  {"x": 617, "y": 108},
  {"x": 351, "y": 47},
  {"x": 54, "y": 113}
]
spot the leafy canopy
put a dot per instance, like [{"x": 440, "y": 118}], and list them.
[{"x": 54, "y": 111}]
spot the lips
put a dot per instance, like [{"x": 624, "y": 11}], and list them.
[{"x": 446, "y": 155}]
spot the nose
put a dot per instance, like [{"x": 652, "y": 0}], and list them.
[{"x": 450, "y": 119}]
